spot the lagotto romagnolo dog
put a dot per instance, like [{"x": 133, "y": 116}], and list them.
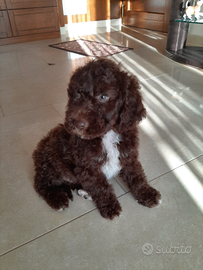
[{"x": 98, "y": 140}]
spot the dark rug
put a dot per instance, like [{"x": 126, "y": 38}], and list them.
[{"x": 90, "y": 48}]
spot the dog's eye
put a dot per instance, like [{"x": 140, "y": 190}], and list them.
[{"x": 103, "y": 98}]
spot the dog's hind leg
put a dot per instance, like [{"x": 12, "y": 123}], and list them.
[{"x": 56, "y": 196}]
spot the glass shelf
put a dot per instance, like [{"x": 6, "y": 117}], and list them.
[{"x": 195, "y": 22}]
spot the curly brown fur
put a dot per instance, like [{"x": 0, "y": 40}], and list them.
[{"x": 104, "y": 108}]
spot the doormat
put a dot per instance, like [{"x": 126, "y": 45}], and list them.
[{"x": 90, "y": 48}]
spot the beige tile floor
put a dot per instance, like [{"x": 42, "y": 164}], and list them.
[{"x": 32, "y": 101}]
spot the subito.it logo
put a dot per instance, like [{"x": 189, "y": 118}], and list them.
[{"x": 147, "y": 249}]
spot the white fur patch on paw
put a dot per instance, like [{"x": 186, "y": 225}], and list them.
[
  {"x": 159, "y": 203},
  {"x": 82, "y": 193},
  {"x": 61, "y": 209}
]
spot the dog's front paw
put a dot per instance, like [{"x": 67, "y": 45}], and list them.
[
  {"x": 111, "y": 210},
  {"x": 148, "y": 196},
  {"x": 58, "y": 200}
]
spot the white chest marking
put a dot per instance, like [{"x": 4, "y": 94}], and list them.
[{"x": 112, "y": 166}]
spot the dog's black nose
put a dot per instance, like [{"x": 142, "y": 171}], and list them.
[{"x": 82, "y": 124}]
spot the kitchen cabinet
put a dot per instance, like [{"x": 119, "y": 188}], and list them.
[{"x": 28, "y": 20}]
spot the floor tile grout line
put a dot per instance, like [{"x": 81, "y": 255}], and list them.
[
  {"x": 2, "y": 111},
  {"x": 176, "y": 168},
  {"x": 63, "y": 225},
  {"x": 120, "y": 185},
  {"x": 161, "y": 174},
  {"x": 44, "y": 234},
  {"x": 179, "y": 69},
  {"x": 158, "y": 76},
  {"x": 30, "y": 110},
  {"x": 137, "y": 40},
  {"x": 58, "y": 112}
]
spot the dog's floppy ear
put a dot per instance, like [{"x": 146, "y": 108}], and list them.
[{"x": 133, "y": 109}]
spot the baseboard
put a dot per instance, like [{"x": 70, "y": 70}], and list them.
[{"x": 28, "y": 38}]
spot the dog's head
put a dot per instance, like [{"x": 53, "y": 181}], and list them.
[{"x": 102, "y": 97}]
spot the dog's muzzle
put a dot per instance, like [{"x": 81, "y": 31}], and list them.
[{"x": 80, "y": 124}]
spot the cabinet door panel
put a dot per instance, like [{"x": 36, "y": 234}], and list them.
[
  {"x": 157, "y": 6},
  {"x": 17, "y": 4},
  {"x": 33, "y": 21},
  {"x": 5, "y": 28},
  {"x": 2, "y": 5}
]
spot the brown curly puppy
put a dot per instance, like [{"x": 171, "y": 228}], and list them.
[{"x": 98, "y": 140}]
